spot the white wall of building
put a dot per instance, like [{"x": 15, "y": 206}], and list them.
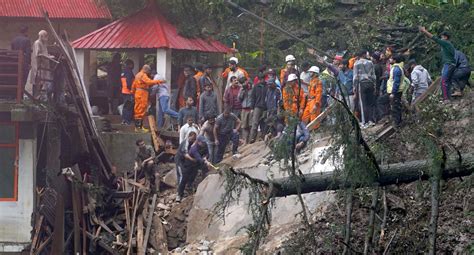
[{"x": 15, "y": 217}]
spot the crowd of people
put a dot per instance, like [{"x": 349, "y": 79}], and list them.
[{"x": 376, "y": 86}]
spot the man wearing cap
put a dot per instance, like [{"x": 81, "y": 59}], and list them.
[
  {"x": 194, "y": 160},
  {"x": 315, "y": 94},
  {"x": 448, "y": 60},
  {"x": 271, "y": 76},
  {"x": 292, "y": 95},
  {"x": 140, "y": 87},
  {"x": 234, "y": 70},
  {"x": 290, "y": 68}
]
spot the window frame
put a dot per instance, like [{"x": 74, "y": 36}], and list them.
[{"x": 16, "y": 163}]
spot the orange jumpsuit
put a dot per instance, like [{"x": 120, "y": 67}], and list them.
[
  {"x": 140, "y": 87},
  {"x": 315, "y": 94},
  {"x": 290, "y": 99},
  {"x": 283, "y": 76}
]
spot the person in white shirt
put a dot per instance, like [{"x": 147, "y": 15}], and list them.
[{"x": 187, "y": 128}]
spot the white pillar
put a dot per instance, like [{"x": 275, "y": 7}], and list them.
[
  {"x": 163, "y": 63},
  {"x": 83, "y": 63},
  {"x": 136, "y": 57}
]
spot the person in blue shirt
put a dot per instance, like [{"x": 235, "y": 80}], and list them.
[
  {"x": 195, "y": 159},
  {"x": 345, "y": 76}
]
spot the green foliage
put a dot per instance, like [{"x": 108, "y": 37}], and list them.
[{"x": 457, "y": 20}]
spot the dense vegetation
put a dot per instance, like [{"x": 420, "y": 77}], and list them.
[{"x": 329, "y": 25}]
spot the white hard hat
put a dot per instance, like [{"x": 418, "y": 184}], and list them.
[
  {"x": 314, "y": 69},
  {"x": 290, "y": 58},
  {"x": 292, "y": 77},
  {"x": 236, "y": 60}
]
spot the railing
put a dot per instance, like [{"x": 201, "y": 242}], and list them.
[{"x": 12, "y": 75}]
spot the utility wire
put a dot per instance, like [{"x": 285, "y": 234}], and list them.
[{"x": 276, "y": 27}]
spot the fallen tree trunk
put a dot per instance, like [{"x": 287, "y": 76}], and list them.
[{"x": 390, "y": 174}]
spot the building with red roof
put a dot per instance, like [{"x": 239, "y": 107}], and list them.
[
  {"x": 147, "y": 32},
  {"x": 77, "y": 17}
]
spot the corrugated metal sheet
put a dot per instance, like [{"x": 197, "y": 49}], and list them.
[
  {"x": 146, "y": 29},
  {"x": 57, "y": 9}
]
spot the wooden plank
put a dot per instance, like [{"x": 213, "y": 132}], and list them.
[
  {"x": 76, "y": 212},
  {"x": 139, "y": 185},
  {"x": 320, "y": 117},
  {"x": 37, "y": 229},
  {"x": 102, "y": 224},
  {"x": 58, "y": 234},
  {"x": 148, "y": 223},
  {"x": 126, "y": 206},
  {"x": 153, "y": 130},
  {"x": 102, "y": 244},
  {"x": 140, "y": 249},
  {"x": 432, "y": 88},
  {"x": 78, "y": 88},
  {"x": 132, "y": 228},
  {"x": 43, "y": 245},
  {"x": 386, "y": 132},
  {"x": 83, "y": 218},
  {"x": 160, "y": 238}
]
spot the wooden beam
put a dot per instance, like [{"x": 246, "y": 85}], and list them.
[
  {"x": 148, "y": 223},
  {"x": 320, "y": 117},
  {"x": 140, "y": 249},
  {"x": 154, "y": 135}
]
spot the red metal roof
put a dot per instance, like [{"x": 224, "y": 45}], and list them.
[
  {"x": 146, "y": 29},
  {"x": 57, "y": 9}
]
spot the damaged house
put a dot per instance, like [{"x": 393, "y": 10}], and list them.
[{"x": 24, "y": 135}]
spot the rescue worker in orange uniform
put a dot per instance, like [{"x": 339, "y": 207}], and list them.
[
  {"x": 140, "y": 88},
  {"x": 127, "y": 81},
  {"x": 315, "y": 95},
  {"x": 290, "y": 68},
  {"x": 291, "y": 98},
  {"x": 233, "y": 70}
]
